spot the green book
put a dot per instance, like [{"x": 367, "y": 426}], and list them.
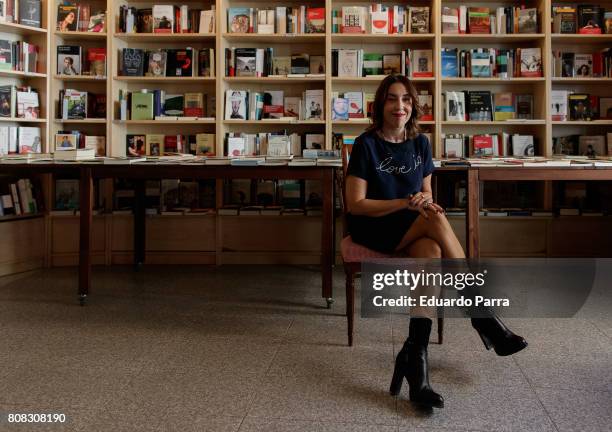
[
  {"x": 142, "y": 106},
  {"x": 372, "y": 64}
]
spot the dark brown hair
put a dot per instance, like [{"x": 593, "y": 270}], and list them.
[{"x": 378, "y": 106}]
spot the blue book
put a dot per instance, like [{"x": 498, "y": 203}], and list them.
[
  {"x": 449, "y": 63},
  {"x": 481, "y": 64},
  {"x": 238, "y": 19}
]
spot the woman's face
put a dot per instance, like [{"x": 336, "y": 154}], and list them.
[
  {"x": 70, "y": 18},
  {"x": 398, "y": 106}
]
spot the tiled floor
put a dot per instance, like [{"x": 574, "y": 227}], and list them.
[{"x": 191, "y": 349}]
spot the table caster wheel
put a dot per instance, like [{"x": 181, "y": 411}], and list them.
[
  {"x": 82, "y": 299},
  {"x": 329, "y": 301}
]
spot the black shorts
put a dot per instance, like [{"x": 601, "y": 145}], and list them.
[{"x": 382, "y": 234}]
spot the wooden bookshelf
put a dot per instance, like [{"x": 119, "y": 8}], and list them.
[
  {"x": 20, "y": 29},
  {"x": 79, "y": 35}
]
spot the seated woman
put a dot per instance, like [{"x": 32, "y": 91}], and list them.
[{"x": 390, "y": 209}]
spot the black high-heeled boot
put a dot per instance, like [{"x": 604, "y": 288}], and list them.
[
  {"x": 496, "y": 335},
  {"x": 411, "y": 363}
]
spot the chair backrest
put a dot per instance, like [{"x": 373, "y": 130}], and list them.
[{"x": 341, "y": 179}]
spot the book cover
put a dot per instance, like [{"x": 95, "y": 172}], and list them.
[
  {"x": 315, "y": 20},
  {"x": 317, "y": 64},
  {"x": 590, "y": 19},
  {"x": 68, "y": 60},
  {"x": 172, "y": 145},
  {"x": 422, "y": 64},
  {"x": 265, "y": 21},
  {"x": 142, "y": 106},
  {"x": 132, "y": 62},
  {"x": 558, "y": 100},
  {"x": 531, "y": 62},
  {"x": 479, "y": 105},
  {"x": 206, "y": 62},
  {"x": 29, "y": 140},
  {"x": 29, "y": 12},
  {"x": 583, "y": 65},
  {"x": 154, "y": 144},
  {"x": 348, "y": 63},
  {"x": 163, "y": 19},
  {"x": 27, "y": 105},
  {"x": 173, "y": 105},
  {"x": 6, "y": 55},
  {"x": 480, "y": 63},
  {"x": 522, "y": 145},
  {"x": 426, "y": 104},
  {"x": 592, "y": 145},
  {"x": 528, "y": 20},
  {"x": 391, "y": 64},
  {"x": 605, "y": 108},
  {"x": 482, "y": 145},
  {"x": 238, "y": 19},
  {"x": 380, "y": 21},
  {"x": 7, "y": 101},
  {"x": 74, "y": 105},
  {"x": 246, "y": 61},
  {"x": 96, "y": 58},
  {"x": 315, "y": 141},
  {"x": 355, "y": 104},
  {"x": 567, "y": 64},
  {"x": 524, "y": 106},
  {"x": 449, "y": 63},
  {"x": 179, "y": 62},
  {"x": 340, "y": 109},
  {"x": 300, "y": 63},
  {"x": 136, "y": 146},
  {"x": 353, "y": 19},
  {"x": 313, "y": 103},
  {"x": 455, "y": 106},
  {"x": 67, "y": 17},
  {"x": 450, "y": 20},
  {"x": 292, "y": 106},
  {"x": 236, "y": 146},
  {"x": 157, "y": 63},
  {"x": 236, "y": 104},
  {"x": 504, "y": 106},
  {"x": 97, "y": 22},
  {"x": 565, "y": 145},
  {"x": 65, "y": 142},
  {"x": 372, "y": 64},
  {"x": 281, "y": 65},
  {"x": 479, "y": 20},
  {"x": 273, "y": 101},
  {"x": 194, "y": 105},
  {"x": 579, "y": 106},
  {"x": 205, "y": 144},
  {"x": 419, "y": 19}
]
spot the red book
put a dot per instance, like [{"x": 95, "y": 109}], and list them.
[
  {"x": 479, "y": 20},
  {"x": 170, "y": 144},
  {"x": 483, "y": 145},
  {"x": 315, "y": 20}
]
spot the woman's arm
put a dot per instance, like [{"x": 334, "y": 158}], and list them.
[
  {"x": 425, "y": 196},
  {"x": 358, "y": 204}
]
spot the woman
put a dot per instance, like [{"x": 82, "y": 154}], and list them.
[{"x": 391, "y": 210}]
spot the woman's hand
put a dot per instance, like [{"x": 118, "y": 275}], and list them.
[
  {"x": 420, "y": 198},
  {"x": 422, "y": 202}
]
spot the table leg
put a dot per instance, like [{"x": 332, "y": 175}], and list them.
[
  {"x": 327, "y": 235},
  {"x": 473, "y": 214},
  {"x": 139, "y": 223},
  {"x": 86, "y": 210}
]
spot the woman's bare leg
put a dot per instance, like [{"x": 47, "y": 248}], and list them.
[
  {"x": 437, "y": 228},
  {"x": 425, "y": 248}
]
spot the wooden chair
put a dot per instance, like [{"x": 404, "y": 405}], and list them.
[{"x": 354, "y": 254}]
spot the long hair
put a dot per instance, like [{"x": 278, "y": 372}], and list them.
[{"x": 378, "y": 107}]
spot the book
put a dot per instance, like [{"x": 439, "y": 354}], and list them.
[
  {"x": 179, "y": 62},
  {"x": 313, "y": 104},
  {"x": 422, "y": 64},
  {"x": 590, "y": 19},
  {"x": 238, "y": 19},
  {"x": 265, "y": 21},
  {"x": 449, "y": 63},
  {"x": 142, "y": 106},
  {"x": 246, "y": 61},
  {"x": 27, "y": 104},
  {"x": 317, "y": 64},
  {"x": 523, "y": 106},
  {"x": 136, "y": 145},
  {"x": 174, "y": 105},
  {"x": 426, "y": 103},
  {"x": 7, "y": 101},
  {"x": 479, "y": 20},
  {"x": 482, "y": 145},
  {"x": 133, "y": 60},
  {"x": 163, "y": 19},
  {"x": 273, "y": 104},
  {"x": 281, "y": 65},
  {"x": 455, "y": 106},
  {"x": 96, "y": 58},
  {"x": 479, "y": 106},
  {"x": 592, "y": 146},
  {"x": 523, "y": 145},
  {"x": 348, "y": 63},
  {"x": 504, "y": 106},
  {"x": 419, "y": 19},
  {"x": 205, "y": 144},
  {"x": 579, "y": 106},
  {"x": 74, "y": 105},
  {"x": 193, "y": 105},
  {"x": 292, "y": 107},
  {"x": 355, "y": 104},
  {"x": 564, "y": 19},
  {"x": 391, "y": 64},
  {"x": 65, "y": 142},
  {"x": 75, "y": 154},
  {"x": 315, "y": 20},
  {"x": 605, "y": 108},
  {"x": 528, "y": 20},
  {"x": 157, "y": 63},
  {"x": 583, "y": 65},
  {"x": 300, "y": 63},
  {"x": 236, "y": 104},
  {"x": 531, "y": 62},
  {"x": 480, "y": 63},
  {"x": 373, "y": 64},
  {"x": 450, "y": 20},
  {"x": 97, "y": 23},
  {"x": 68, "y": 60},
  {"x": 29, "y": 13},
  {"x": 315, "y": 141},
  {"x": 154, "y": 144},
  {"x": 354, "y": 19},
  {"x": 207, "y": 22},
  {"x": 67, "y": 17},
  {"x": 340, "y": 109},
  {"x": 29, "y": 140},
  {"x": 379, "y": 20}
]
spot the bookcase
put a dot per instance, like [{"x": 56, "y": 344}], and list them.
[{"x": 239, "y": 235}]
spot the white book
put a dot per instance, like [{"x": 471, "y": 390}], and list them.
[
  {"x": 236, "y": 147},
  {"x": 558, "y": 100},
  {"x": 522, "y": 145},
  {"x": 355, "y": 104},
  {"x": 348, "y": 63},
  {"x": 455, "y": 106},
  {"x": 184, "y": 18},
  {"x": 313, "y": 104},
  {"x": 207, "y": 21},
  {"x": 281, "y": 19},
  {"x": 379, "y": 20},
  {"x": 235, "y": 104}
]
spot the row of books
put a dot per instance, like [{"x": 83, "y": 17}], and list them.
[
  {"x": 491, "y": 62},
  {"x": 261, "y": 62},
  {"x": 484, "y": 20},
  {"x": 202, "y": 144},
  {"x": 379, "y": 19},
  {"x": 358, "y": 105},
  {"x": 66, "y": 141},
  {"x": 570, "y": 64},
  {"x": 78, "y": 105},
  {"x": 272, "y": 104},
  {"x": 18, "y": 56},
  {"x": 526, "y": 161},
  {"x": 157, "y": 104},
  {"x": 515, "y": 211},
  {"x": 19, "y": 102},
  {"x": 168, "y": 62},
  {"x": 70, "y": 61},
  {"x": 79, "y": 17},
  {"x": 583, "y": 145},
  {"x": 567, "y": 105},
  {"x": 20, "y": 140},
  {"x": 496, "y": 144},
  {"x": 483, "y": 105},
  {"x": 166, "y": 19},
  {"x": 583, "y": 19},
  {"x": 414, "y": 63},
  {"x": 279, "y": 20},
  {"x": 19, "y": 198},
  {"x": 24, "y": 12}
]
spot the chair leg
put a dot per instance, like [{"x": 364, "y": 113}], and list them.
[
  {"x": 350, "y": 304},
  {"x": 440, "y": 330}
]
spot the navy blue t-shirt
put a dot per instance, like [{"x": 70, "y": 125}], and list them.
[{"x": 392, "y": 170}]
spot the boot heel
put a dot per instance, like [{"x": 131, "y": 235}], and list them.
[
  {"x": 397, "y": 380},
  {"x": 485, "y": 340}
]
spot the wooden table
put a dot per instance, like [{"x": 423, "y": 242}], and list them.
[
  {"x": 141, "y": 172},
  {"x": 479, "y": 174}
]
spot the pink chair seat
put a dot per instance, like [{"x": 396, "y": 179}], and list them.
[{"x": 356, "y": 253}]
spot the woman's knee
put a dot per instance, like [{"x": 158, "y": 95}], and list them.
[
  {"x": 436, "y": 224},
  {"x": 425, "y": 247}
]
